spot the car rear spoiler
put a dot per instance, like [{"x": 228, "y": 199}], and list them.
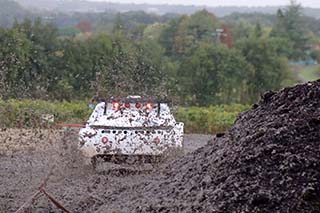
[
  {"x": 132, "y": 100},
  {"x": 158, "y": 101}
]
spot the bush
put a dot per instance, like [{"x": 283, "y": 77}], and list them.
[
  {"x": 29, "y": 114},
  {"x": 209, "y": 120}
]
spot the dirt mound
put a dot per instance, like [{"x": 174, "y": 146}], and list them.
[{"x": 268, "y": 162}]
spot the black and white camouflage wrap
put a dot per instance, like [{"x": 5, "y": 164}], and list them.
[{"x": 130, "y": 130}]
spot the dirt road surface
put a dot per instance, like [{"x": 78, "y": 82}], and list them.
[
  {"x": 28, "y": 156},
  {"x": 267, "y": 162}
]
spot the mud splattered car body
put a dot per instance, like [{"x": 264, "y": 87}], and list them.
[{"x": 130, "y": 126}]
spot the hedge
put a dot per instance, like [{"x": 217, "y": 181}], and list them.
[
  {"x": 209, "y": 120},
  {"x": 29, "y": 114}
]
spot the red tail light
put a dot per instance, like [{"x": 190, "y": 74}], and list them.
[
  {"x": 157, "y": 140},
  {"x": 127, "y": 105},
  {"x": 138, "y": 105},
  {"x": 104, "y": 140},
  {"x": 116, "y": 105},
  {"x": 149, "y": 106}
]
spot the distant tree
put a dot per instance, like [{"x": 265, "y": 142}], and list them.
[
  {"x": 226, "y": 38},
  {"x": 251, "y": 18},
  {"x": 15, "y": 78},
  {"x": 135, "y": 69},
  {"x": 241, "y": 30},
  {"x": 83, "y": 62},
  {"x": 258, "y": 32},
  {"x": 290, "y": 26},
  {"x": 44, "y": 53},
  {"x": 266, "y": 55},
  {"x": 118, "y": 26},
  {"x": 137, "y": 32},
  {"x": 202, "y": 25},
  {"x": 153, "y": 32},
  {"x": 214, "y": 74},
  {"x": 185, "y": 33},
  {"x": 84, "y": 26},
  {"x": 167, "y": 36}
]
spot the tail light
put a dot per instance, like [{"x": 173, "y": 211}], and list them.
[
  {"x": 104, "y": 140},
  {"x": 116, "y": 105},
  {"x": 127, "y": 105},
  {"x": 138, "y": 105},
  {"x": 157, "y": 140},
  {"x": 149, "y": 106}
]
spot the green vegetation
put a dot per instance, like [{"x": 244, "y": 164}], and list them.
[
  {"x": 309, "y": 73},
  {"x": 186, "y": 59},
  {"x": 215, "y": 74},
  {"x": 212, "y": 119},
  {"x": 196, "y": 60},
  {"x": 29, "y": 114}
]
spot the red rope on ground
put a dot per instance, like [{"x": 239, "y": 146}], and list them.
[{"x": 34, "y": 197}]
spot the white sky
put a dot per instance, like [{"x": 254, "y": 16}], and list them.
[{"x": 305, "y": 3}]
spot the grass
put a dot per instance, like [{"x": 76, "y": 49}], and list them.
[
  {"x": 308, "y": 73},
  {"x": 29, "y": 114}
]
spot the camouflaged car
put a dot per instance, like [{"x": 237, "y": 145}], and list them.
[{"x": 131, "y": 126}]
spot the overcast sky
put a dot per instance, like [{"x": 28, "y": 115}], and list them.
[{"x": 305, "y": 3}]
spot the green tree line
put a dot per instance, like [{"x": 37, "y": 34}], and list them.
[{"x": 194, "y": 59}]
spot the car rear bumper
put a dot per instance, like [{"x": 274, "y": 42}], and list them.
[{"x": 129, "y": 141}]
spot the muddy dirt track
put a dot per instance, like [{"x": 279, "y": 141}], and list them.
[
  {"x": 28, "y": 156},
  {"x": 269, "y": 161}
]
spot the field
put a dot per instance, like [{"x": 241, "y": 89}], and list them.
[{"x": 28, "y": 156}]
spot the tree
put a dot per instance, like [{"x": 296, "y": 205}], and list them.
[
  {"x": 214, "y": 74},
  {"x": 44, "y": 55},
  {"x": 241, "y": 30},
  {"x": 15, "y": 80},
  {"x": 226, "y": 38},
  {"x": 82, "y": 63},
  {"x": 153, "y": 31},
  {"x": 134, "y": 69},
  {"x": 118, "y": 26},
  {"x": 167, "y": 37},
  {"x": 290, "y": 25},
  {"x": 184, "y": 34},
  {"x": 266, "y": 55},
  {"x": 84, "y": 26}
]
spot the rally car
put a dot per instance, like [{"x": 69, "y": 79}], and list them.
[{"x": 131, "y": 126}]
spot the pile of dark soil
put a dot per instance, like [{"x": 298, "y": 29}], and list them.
[{"x": 269, "y": 161}]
